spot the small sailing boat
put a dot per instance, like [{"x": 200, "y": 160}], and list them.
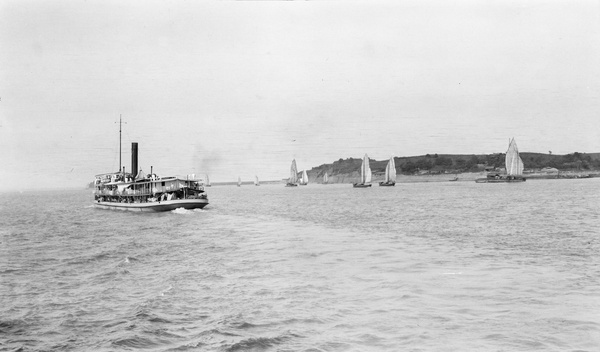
[
  {"x": 256, "y": 183},
  {"x": 239, "y": 183},
  {"x": 304, "y": 179},
  {"x": 325, "y": 179},
  {"x": 293, "y": 180},
  {"x": 514, "y": 167},
  {"x": 365, "y": 174},
  {"x": 514, "y": 163},
  {"x": 207, "y": 182},
  {"x": 390, "y": 174}
]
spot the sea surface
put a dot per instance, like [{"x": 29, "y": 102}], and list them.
[{"x": 449, "y": 266}]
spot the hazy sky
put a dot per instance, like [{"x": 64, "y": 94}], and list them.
[{"x": 240, "y": 88}]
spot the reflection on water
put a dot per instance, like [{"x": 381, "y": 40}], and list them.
[{"x": 445, "y": 266}]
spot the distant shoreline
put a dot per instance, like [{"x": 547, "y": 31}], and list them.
[{"x": 462, "y": 177}]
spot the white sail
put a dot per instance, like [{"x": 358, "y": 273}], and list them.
[
  {"x": 325, "y": 178},
  {"x": 514, "y": 164},
  {"x": 293, "y": 172},
  {"x": 207, "y": 181},
  {"x": 390, "y": 171},
  {"x": 256, "y": 183},
  {"x": 365, "y": 170},
  {"x": 239, "y": 181},
  {"x": 304, "y": 177}
]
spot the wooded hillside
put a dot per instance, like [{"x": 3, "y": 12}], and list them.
[{"x": 456, "y": 163}]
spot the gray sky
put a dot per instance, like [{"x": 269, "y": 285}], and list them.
[{"x": 241, "y": 88}]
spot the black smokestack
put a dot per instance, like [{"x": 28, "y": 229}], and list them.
[{"x": 134, "y": 159}]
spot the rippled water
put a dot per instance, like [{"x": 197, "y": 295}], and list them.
[{"x": 454, "y": 266}]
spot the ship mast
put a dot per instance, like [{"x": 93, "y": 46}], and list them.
[
  {"x": 120, "y": 142},
  {"x": 120, "y": 123}
]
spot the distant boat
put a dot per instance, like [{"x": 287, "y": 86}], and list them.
[
  {"x": 454, "y": 179},
  {"x": 304, "y": 179},
  {"x": 390, "y": 174},
  {"x": 325, "y": 179},
  {"x": 365, "y": 174},
  {"x": 256, "y": 183},
  {"x": 207, "y": 183},
  {"x": 514, "y": 167},
  {"x": 293, "y": 180},
  {"x": 239, "y": 184}
]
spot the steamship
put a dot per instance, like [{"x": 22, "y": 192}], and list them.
[{"x": 136, "y": 191}]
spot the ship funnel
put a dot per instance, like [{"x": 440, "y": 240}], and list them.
[{"x": 134, "y": 159}]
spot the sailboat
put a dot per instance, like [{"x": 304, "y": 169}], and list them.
[
  {"x": 365, "y": 174},
  {"x": 325, "y": 179},
  {"x": 239, "y": 184},
  {"x": 293, "y": 180},
  {"x": 304, "y": 180},
  {"x": 390, "y": 174},
  {"x": 207, "y": 182},
  {"x": 256, "y": 183},
  {"x": 514, "y": 167}
]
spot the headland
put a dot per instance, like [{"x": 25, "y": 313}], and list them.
[{"x": 462, "y": 167}]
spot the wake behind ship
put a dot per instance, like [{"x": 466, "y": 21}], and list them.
[{"x": 147, "y": 193}]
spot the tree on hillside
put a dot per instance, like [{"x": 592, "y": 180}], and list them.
[
  {"x": 443, "y": 161},
  {"x": 495, "y": 160},
  {"x": 461, "y": 164},
  {"x": 471, "y": 163},
  {"x": 424, "y": 164},
  {"x": 408, "y": 167}
]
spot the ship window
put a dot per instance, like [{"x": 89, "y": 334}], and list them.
[{"x": 162, "y": 183}]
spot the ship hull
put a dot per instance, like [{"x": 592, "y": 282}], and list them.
[
  {"x": 500, "y": 180},
  {"x": 154, "y": 207},
  {"x": 387, "y": 184},
  {"x": 361, "y": 185}
]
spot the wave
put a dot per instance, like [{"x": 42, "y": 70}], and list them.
[
  {"x": 191, "y": 346},
  {"x": 257, "y": 343},
  {"x": 14, "y": 326},
  {"x": 166, "y": 290},
  {"x": 90, "y": 258},
  {"x": 243, "y": 325},
  {"x": 8, "y": 271},
  {"x": 134, "y": 342},
  {"x": 127, "y": 260},
  {"x": 183, "y": 211},
  {"x": 142, "y": 313}
]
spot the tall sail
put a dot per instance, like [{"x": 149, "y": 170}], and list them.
[
  {"x": 325, "y": 178},
  {"x": 207, "y": 181},
  {"x": 514, "y": 164},
  {"x": 365, "y": 170},
  {"x": 256, "y": 181},
  {"x": 304, "y": 177},
  {"x": 390, "y": 171},
  {"x": 239, "y": 181},
  {"x": 293, "y": 172}
]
